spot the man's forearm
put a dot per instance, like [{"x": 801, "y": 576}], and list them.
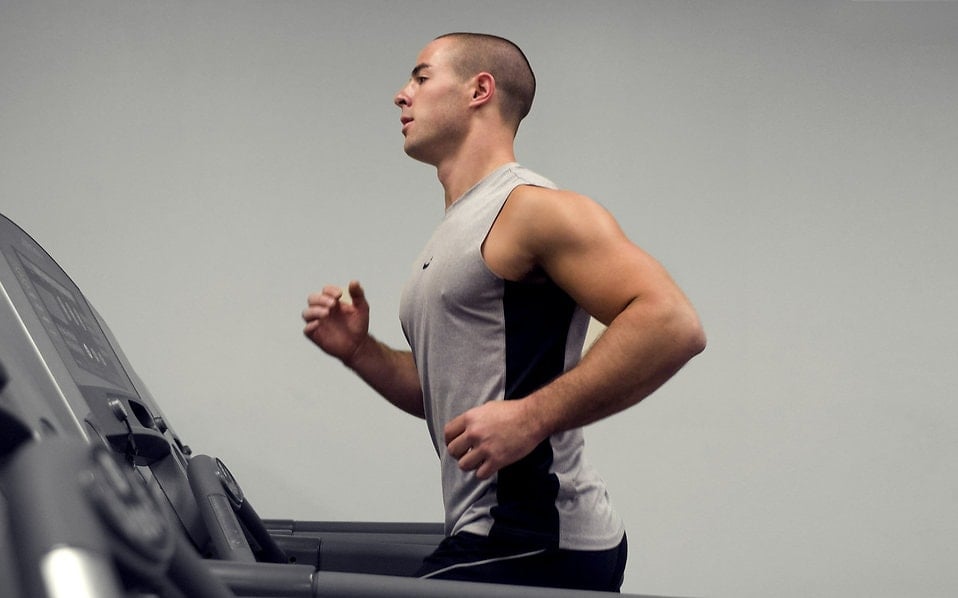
[
  {"x": 640, "y": 350},
  {"x": 389, "y": 372}
]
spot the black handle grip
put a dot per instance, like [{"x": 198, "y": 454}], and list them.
[{"x": 226, "y": 533}]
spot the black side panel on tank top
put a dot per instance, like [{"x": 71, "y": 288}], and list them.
[{"x": 537, "y": 319}]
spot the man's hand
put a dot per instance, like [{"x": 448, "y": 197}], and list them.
[
  {"x": 337, "y": 327},
  {"x": 492, "y": 436}
]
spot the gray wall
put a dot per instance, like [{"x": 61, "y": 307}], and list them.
[{"x": 200, "y": 166}]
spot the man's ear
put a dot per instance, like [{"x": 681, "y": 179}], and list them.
[{"x": 484, "y": 88}]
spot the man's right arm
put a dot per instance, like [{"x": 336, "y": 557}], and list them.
[{"x": 341, "y": 329}]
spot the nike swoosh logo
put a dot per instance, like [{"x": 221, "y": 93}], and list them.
[{"x": 426, "y": 264}]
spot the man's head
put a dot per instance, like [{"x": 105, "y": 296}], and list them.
[
  {"x": 478, "y": 52},
  {"x": 461, "y": 80}
]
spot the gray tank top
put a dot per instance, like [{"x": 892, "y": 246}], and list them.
[{"x": 475, "y": 338}]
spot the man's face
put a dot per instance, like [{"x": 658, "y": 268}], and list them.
[{"x": 433, "y": 104}]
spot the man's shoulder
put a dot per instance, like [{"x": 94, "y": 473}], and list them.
[
  {"x": 528, "y": 196},
  {"x": 544, "y": 218}
]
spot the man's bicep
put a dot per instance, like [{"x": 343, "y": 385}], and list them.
[{"x": 589, "y": 256}]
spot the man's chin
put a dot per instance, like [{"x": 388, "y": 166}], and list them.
[{"x": 416, "y": 152}]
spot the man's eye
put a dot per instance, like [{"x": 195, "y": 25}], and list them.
[{"x": 420, "y": 80}]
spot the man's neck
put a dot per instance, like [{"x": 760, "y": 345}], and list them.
[{"x": 460, "y": 172}]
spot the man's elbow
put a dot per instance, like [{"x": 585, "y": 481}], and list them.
[
  {"x": 686, "y": 331},
  {"x": 673, "y": 325},
  {"x": 695, "y": 340}
]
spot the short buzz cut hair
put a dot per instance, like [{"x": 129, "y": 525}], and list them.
[{"x": 505, "y": 61}]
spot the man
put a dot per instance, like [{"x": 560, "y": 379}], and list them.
[{"x": 496, "y": 312}]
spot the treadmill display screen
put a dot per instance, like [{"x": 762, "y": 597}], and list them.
[{"x": 69, "y": 318}]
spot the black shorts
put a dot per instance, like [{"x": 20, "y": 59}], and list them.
[{"x": 470, "y": 557}]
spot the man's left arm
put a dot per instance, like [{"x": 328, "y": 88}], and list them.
[{"x": 652, "y": 328}]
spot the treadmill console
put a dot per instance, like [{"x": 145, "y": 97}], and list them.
[{"x": 81, "y": 386}]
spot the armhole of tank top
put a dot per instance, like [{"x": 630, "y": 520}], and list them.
[{"x": 534, "y": 276}]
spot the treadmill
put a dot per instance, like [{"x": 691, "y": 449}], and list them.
[{"x": 97, "y": 490}]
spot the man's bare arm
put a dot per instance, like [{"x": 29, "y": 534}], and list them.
[
  {"x": 391, "y": 373},
  {"x": 341, "y": 329},
  {"x": 652, "y": 329}
]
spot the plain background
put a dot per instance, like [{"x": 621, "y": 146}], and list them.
[{"x": 200, "y": 166}]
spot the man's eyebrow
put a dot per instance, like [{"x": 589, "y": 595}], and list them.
[{"x": 418, "y": 69}]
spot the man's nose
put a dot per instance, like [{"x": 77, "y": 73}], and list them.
[{"x": 402, "y": 98}]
